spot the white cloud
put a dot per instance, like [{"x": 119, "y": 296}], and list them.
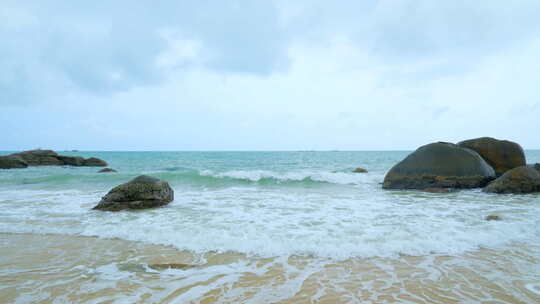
[{"x": 370, "y": 75}]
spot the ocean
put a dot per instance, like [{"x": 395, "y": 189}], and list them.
[{"x": 262, "y": 227}]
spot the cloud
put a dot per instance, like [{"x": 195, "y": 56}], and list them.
[
  {"x": 276, "y": 75},
  {"x": 105, "y": 47}
]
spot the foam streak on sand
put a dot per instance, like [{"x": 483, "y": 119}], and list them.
[{"x": 81, "y": 269}]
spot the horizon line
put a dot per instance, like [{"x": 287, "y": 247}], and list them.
[{"x": 306, "y": 151}]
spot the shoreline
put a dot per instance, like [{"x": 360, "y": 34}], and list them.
[{"x": 90, "y": 269}]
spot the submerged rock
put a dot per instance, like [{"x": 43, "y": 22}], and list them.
[
  {"x": 440, "y": 165},
  {"x": 501, "y": 155},
  {"x": 360, "y": 170},
  {"x": 524, "y": 179},
  {"x": 171, "y": 266},
  {"x": 438, "y": 190},
  {"x": 107, "y": 170},
  {"x": 493, "y": 218},
  {"x": 12, "y": 162},
  {"x": 140, "y": 193}
]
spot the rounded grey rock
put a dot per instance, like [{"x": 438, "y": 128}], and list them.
[
  {"x": 440, "y": 165},
  {"x": 141, "y": 192}
]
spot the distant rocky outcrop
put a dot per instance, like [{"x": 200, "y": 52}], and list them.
[
  {"x": 72, "y": 160},
  {"x": 524, "y": 179},
  {"x": 107, "y": 170},
  {"x": 40, "y": 158},
  {"x": 94, "y": 162},
  {"x": 46, "y": 158},
  {"x": 10, "y": 162},
  {"x": 360, "y": 170},
  {"x": 501, "y": 155},
  {"x": 440, "y": 165},
  {"x": 140, "y": 193}
]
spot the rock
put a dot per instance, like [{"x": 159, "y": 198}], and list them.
[
  {"x": 40, "y": 157},
  {"x": 440, "y": 165},
  {"x": 107, "y": 170},
  {"x": 12, "y": 162},
  {"x": 71, "y": 160},
  {"x": 438, "y": 190},
  {"x": 171, "y": 266},
  {"x": 524, "y": 179},
  {"x": 94, "y": 162},
  {"x": 360, "y": 170},
  {"x": 47, "y": 158},
  {"x": 140, "y": 193},
  {"x": 501, "y": 155},
  {"x": 493, "y": 218}
]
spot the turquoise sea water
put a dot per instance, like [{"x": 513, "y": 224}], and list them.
[
  {"x": 262, "y": 227},
  {"x": 207, "y": 169},
  {"x": 268, "y": 204}
]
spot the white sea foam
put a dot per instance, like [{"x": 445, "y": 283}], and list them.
[
  {"x": 281, "y": 211},
  {"x": 343, "y": 178},
  {"x": 272, "y": 222}
]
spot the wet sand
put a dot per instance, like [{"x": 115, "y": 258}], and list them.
[{"x": 72, "y": 269}]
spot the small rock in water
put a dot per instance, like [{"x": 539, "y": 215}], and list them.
[
  {"x": 438, "y": 190},
  {"x": 94, "y": 162},
  {"x": 171, "y": 266},
  {"x": 360, "y": 170},
  {"x": 107, "y": 170},
  {"x": 493, "y": 218}
]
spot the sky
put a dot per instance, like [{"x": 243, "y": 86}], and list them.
[{"x": 267, "y": 75}]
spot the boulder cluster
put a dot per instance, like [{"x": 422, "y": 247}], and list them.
[
  {"x": 46, "y": 158},
  {"x": 140, "y": 193},
  {"x": 498, "y": 166}
]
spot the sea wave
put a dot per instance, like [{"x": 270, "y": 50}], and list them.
[
  {"x": 192, "y": 177},
  {"x": 266, "y": 177}
]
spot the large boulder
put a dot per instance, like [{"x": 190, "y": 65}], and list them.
[
  {"x": 140, "y": 193},
  {"x": 524, "y": 179},
  {"x": 12, "y": 162},
  {"x": 439, "y": 165},
  {"x": 501, "y": 155},
  {"x": 40, "y": 157}
]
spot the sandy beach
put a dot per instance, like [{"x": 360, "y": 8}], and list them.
[{"x": 71, "y": 269}]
